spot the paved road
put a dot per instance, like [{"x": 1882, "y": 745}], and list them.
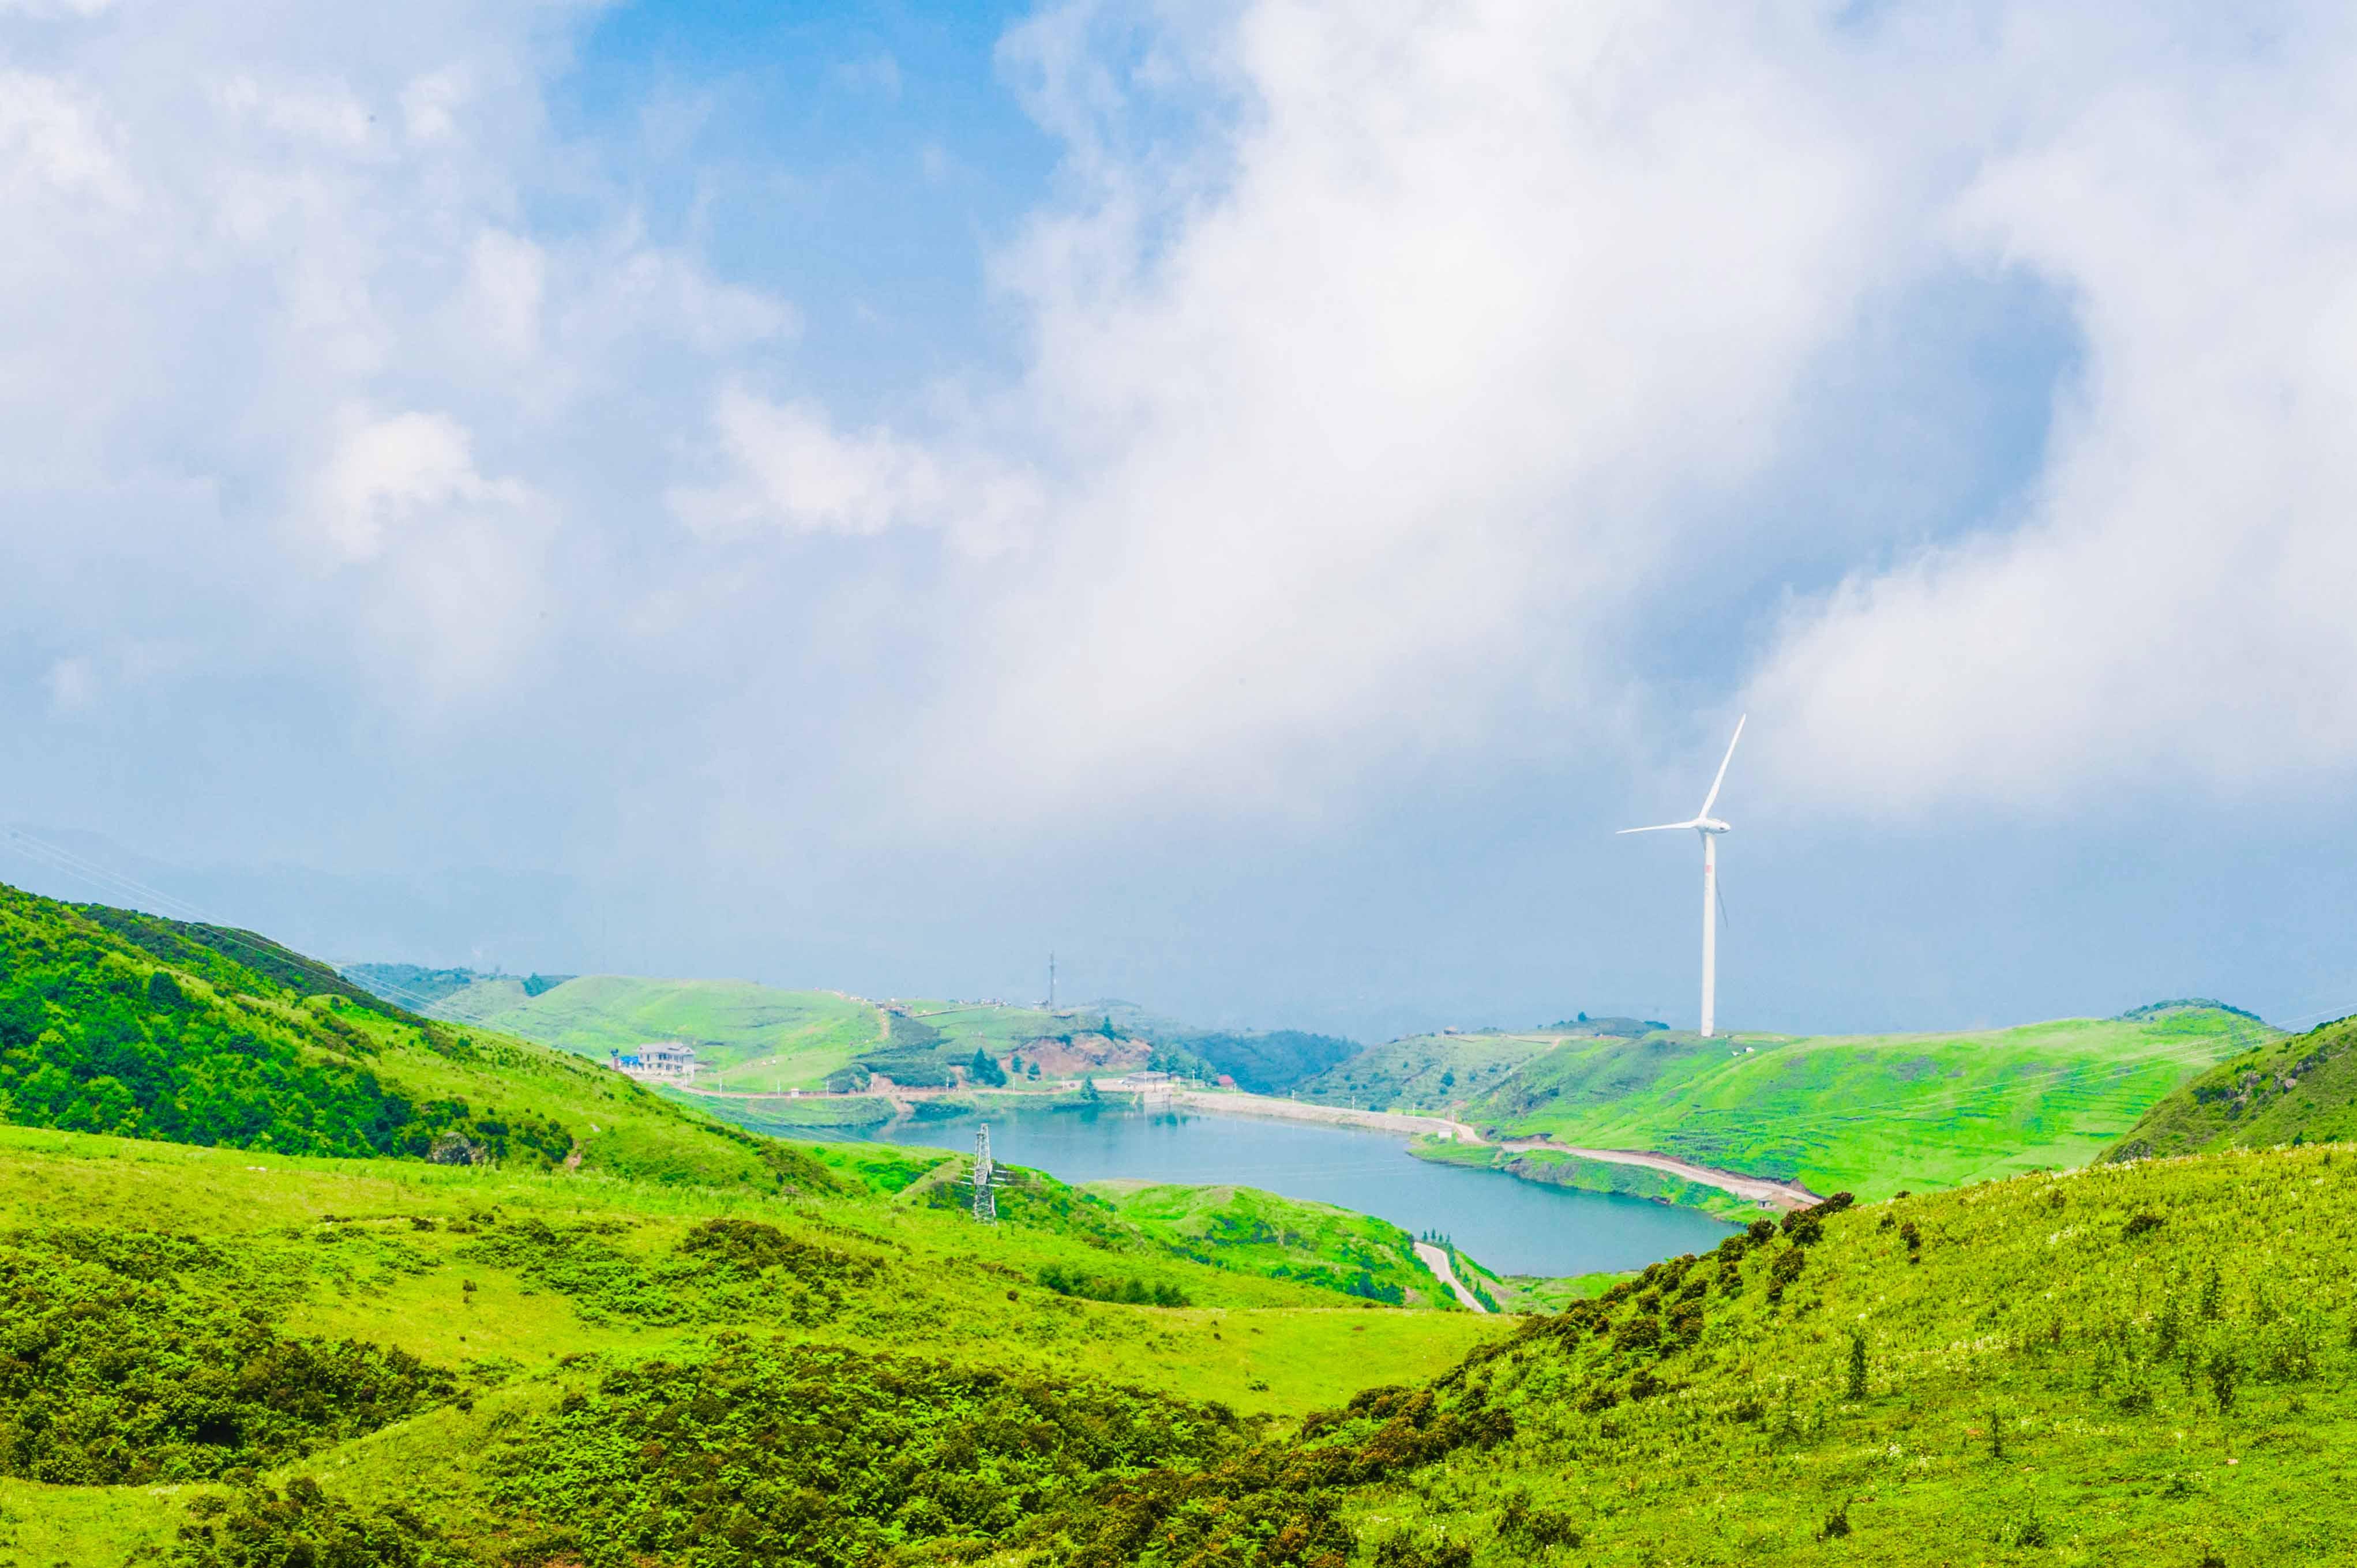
[
  {"x": 1759, "y": 1190},
  {"x": 1437, "y": 1260}
]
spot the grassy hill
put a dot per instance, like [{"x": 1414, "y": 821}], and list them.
[
  {"x": 1867, "y": 1113},
  {"x": 115, "y": 1022},
  {"x": 2292, "y": 1089},
  {"x": 763, "y": 1039},
  {"x": 766, "y": 1040},
  {"x": 2144, "y": 1363},
  {"x": 1282, "y": 1238},
  {"x": 1433, "y": 1073}
]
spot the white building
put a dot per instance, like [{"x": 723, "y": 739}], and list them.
[{"x": 666, "y": 1059}]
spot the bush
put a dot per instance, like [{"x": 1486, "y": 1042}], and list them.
[
  {"x": 1535, "y": 1529},
  {"x": 305, "y": 1527}
]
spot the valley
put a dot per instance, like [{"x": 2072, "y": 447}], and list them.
[{"x": 296, "y": 1274}]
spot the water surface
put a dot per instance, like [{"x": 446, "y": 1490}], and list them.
[{"x": 1511, "y": 1226}]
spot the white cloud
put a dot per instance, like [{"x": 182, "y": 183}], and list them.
[
  {"x": 510, "y": 279},
  {"x": 231, "y": 230},
  {"x": 385, "y": 473},
  {"x": 52, "y": 136},
  {"x": 1382, "y": 412},
  {"x": 2170, "y": 610},
  {"x": 791, "y": 469}
]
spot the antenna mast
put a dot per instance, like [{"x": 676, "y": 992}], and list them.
[
  {"x": 1051, "y": 979},
  {"x": 985, "y": 1207}
]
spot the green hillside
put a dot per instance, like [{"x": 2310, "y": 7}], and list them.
[
  {"x": 2292, "y": 1089},
  {"x": 1283, "y": 1238},
  {"x": 2143, "y": 1362},
  {"x": 1867, "y": 1113},
  {"x": 115, "y": 1022},
  {"x": 762, "y": 1039},
  {"x": 1429, "y": 1073}
]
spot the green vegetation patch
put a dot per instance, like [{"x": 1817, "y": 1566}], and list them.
[
  {"x": 771, "y": 1452},
  {"x": 134, "y": 1357},
  {"x": 1333, "y": 1249},
  {"x": 1555, "y": 1168},
  {"x": 1869, "y": 1114},
  {"x": 2296, "y": 1089}
]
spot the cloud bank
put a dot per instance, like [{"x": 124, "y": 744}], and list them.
[{"x": 395, "y": 463}]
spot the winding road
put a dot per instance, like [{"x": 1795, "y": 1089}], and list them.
[{"x": 1437, "y": 1260}]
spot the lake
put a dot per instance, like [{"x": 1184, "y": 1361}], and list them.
[{"x": 1513, "y": 1227}]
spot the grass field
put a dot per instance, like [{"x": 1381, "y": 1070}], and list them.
[
  {"x": 1284, "y": 1237},
  {"x": 1872, "y": 1114},
  {"x": 762, "y": 1040},
  {"x": 1430, "y": 1073},
  {"x": 2142, "y": 1363},
  {"x": 2300, "y": 1088},
  {"x": 396, "y": 1255},
  {"x": 678, "y": 1344}
]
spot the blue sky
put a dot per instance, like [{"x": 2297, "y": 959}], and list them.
[{"x": 1248, "y": 496}]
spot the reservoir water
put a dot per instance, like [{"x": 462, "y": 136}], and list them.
[{"x": 1511, "y": 1226}]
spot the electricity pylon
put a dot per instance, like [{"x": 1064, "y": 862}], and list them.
[{"x": 985, "y": 1207}]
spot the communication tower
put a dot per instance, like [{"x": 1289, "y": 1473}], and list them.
[{"x": 985, "y": 1207}]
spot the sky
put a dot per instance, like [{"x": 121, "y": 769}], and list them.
[{"x": 1248, "y": 496}]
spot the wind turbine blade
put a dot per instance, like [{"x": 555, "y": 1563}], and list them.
[
  {"x": 1712, "y": 799},
  {"x": 1656, "y": 828}
]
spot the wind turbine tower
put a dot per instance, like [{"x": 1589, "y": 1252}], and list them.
[{"x": 1709, "y": 828}]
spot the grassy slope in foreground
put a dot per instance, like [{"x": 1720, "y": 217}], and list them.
[
  {"x": 2131, "y": 1364},
  {"x": 2297, "y": 1088},
  {"x": 2140, "y": 1363},
  {"x": 154, "y": 1272},
  {"x": 1873, "y": 1113}
]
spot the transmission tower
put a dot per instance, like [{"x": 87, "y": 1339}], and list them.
[
  {"x": 1051, "y": 982},
  {"x": 985, "y": 1207}
]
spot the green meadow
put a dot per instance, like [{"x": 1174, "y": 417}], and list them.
[
  {"x": 293, "y": 1278},
  {"x": 1867, "y": 1113},
  {"x": 762, "y": 1039}
]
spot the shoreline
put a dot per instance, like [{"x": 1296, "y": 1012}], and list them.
[{"x": 1752, "y": 1189}]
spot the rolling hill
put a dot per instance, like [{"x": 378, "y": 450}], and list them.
[
  {"x": 2296, "y": 1089},
  {"x": 321, "y": 1307},
  {"x": 469, "y": 1366},
  {"x": 765, "y": 1040},
  {"x": 116, "y": 1022},
  {"x": 1867, "y": 1113}
]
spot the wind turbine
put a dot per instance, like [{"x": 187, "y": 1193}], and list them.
[{"x": 1709, "y": 827}]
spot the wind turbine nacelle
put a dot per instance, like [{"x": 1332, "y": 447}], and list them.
[{"x": 1711, "y": 825}]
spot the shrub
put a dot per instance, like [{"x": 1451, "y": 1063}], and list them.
[
  {"x": 1856, "y": 1388},
  {"x": 305, "y": 1526},
  {"x": 1403, "y": 1551},
  {"x": 2223, "y": 1371},
  {"x": 1535, "y": 1529},
  {"x": 2140, "y": 1225}
]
